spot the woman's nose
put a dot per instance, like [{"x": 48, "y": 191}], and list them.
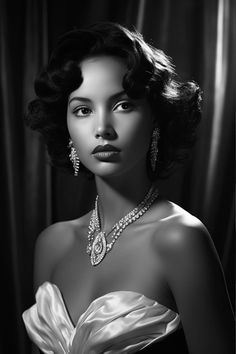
[{"x": 104, "y": 128}]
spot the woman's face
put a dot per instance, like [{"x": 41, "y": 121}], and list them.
[{"x": 110, "y": 131}]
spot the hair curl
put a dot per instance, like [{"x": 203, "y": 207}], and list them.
[{"x": 150, "y": 74}]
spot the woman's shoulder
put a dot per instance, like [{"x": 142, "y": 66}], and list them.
[
  {"x": 62, "y": 233},
  {"x": 195, "y": 278},
  {"x": 53, "y": 243},
  {"x": 180, "y": 231}
]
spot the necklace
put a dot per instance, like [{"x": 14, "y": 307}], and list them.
[{"x": 98, "y": 246}]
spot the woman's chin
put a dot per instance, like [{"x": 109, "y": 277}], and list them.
[{"x": 107, "y": 170}]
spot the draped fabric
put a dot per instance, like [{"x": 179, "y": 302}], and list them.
[
  {"x": 198, "y": 35},
  {"x": 115, "y": 323}
]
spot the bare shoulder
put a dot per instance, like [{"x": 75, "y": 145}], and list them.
[
  {"x": 185, "y": 246},
  {"x": 181, "y": 234},
  {"x": 53, "y": 243},
  {"x": 195, "y": 277}
]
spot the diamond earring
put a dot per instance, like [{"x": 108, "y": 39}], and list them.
[
  {"x": 154, "y": 148},
  {"x": 74, "y": 158}
]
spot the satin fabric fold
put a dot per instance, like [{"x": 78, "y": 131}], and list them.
[{"x": 117, "y": 322}]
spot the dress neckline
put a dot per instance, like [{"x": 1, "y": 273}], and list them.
[{"x": 75, "y": 324}]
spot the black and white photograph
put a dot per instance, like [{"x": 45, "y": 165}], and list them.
[{"x": 117, "y": 182}]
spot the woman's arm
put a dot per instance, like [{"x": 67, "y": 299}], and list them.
[{"x": 197, "y": 282}]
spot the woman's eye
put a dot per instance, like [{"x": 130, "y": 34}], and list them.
[
  {"x": 124, "y": 106},
  {"x": 82, "y": 111}
]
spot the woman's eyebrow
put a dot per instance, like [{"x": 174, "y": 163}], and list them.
[{"x": 88, "y": 100}]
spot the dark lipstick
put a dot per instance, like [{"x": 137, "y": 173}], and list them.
[
  {"x": 106, "y": 153},
  {"x": 104, "y": 148}
]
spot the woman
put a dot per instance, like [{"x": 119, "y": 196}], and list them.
[{"x": 138, "y": 273}]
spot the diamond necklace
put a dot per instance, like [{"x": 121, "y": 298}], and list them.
[{"x": 98, "y": 246}]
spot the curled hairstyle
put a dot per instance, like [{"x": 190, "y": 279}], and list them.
[{"x": 150, "y": 74}]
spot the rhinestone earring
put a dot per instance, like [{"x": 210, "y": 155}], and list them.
[
  {"x": 74, "y": 158},
  {"x": 154, "y": 148}
]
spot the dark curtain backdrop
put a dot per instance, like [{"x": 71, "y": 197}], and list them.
[{"x": 198, "y": 35}]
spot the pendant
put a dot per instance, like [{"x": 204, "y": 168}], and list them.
[{"x": 99, "y": 248}]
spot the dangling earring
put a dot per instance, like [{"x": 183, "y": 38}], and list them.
[
  {"x": 154, "y": 148},
  {"x": 74, "y": 158}
]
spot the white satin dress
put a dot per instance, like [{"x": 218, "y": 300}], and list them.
[{"x": 117, "y": 322}]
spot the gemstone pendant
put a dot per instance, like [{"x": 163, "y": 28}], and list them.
[{"x": 98, "y": 248}]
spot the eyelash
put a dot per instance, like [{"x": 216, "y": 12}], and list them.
[
  {"x": 76, "y": 110},
  {"x": 126, "y": 102}
]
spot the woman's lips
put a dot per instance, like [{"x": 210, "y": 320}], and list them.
[
  {"x": 106, "y": 152},
  {"x": 105, "y": 148},
  {"x": 106, "y": 155}
]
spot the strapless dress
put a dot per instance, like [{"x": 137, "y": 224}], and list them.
[{"x": 117, "y": 322}]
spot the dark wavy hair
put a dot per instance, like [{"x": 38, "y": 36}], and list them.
[{"x": 150, "y": 74}]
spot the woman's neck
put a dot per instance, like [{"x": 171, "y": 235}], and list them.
[{"x": 118, "y": 196}]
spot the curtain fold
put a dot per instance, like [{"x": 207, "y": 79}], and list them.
[
  {"x": 213, "y": 187},
  {"x": 25, "y": 178},
  {"x": 10, "y": 282},
  {"x": 198, "y": 35}
]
